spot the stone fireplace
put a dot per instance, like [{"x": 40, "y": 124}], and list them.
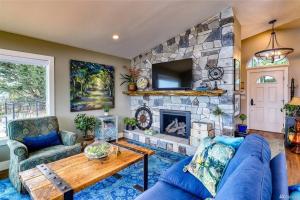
[{"x": 175, "y": 122}]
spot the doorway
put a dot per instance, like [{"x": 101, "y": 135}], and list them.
[{"x": 267, "y": 93}]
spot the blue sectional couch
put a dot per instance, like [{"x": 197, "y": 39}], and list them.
[{"x": 250, "y": 175}]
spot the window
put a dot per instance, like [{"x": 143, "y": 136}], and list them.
[
  {"x": 266, "y": 79},
  {"x": 26, "y": 87},
  {"x": 255, "y": 62}
]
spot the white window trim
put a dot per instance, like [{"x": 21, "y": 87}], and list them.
[{"x": 45, "y": 60}]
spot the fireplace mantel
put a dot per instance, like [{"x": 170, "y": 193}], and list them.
[{"x": 175, "y": 93}]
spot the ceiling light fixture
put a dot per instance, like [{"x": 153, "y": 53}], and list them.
[
  {"x": 115, "y": 37},
  {"x": 273, "y": 52}
]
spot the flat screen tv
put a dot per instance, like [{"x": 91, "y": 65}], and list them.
[{"x": 173, "y": 75}]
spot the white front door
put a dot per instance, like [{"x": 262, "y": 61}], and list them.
[{"x": 266, "y": 98}]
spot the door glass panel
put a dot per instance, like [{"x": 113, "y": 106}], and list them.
[{"x": 266, "y": 79}]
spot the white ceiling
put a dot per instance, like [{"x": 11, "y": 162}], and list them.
[{"x": 141, "y": 24}]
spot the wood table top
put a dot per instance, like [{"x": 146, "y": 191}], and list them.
[{"x": 79, "y": 172}]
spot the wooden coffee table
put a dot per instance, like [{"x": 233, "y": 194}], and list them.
[{"x": 72, "y": 174}]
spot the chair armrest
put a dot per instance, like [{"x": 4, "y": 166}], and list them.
[
  {"x": 68, "y": 138},
  {"x": 18, "y": 150}
]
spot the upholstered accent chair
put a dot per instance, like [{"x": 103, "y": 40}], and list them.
[{"x": 21, "y": 159}]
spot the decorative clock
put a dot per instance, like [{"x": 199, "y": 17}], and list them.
[
  {"x": 144, "y": 117},
  {"x": 142, "y": 83}
]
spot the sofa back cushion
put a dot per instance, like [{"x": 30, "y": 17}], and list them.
[
  {"x": 253, "y": 145},
  {"x": 250, "y": 181},
  {"x": 18, "y": 129}
]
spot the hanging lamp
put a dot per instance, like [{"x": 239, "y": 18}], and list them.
[{"x": 273, "y": 52}]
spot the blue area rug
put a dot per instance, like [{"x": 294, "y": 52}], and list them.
[{"x": 112, "y": 188}]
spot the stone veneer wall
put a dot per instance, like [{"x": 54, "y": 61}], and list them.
[{"x": 210, "y": 43}]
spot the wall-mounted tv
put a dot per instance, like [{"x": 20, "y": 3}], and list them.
[{"x": 173, "y": 75}]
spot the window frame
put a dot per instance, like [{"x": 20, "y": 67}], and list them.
[{"x": 31, "y": 58}]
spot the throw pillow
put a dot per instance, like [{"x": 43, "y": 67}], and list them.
[
  {"x": 209, "y": 163},
  {"x": 34, "y": 143},
  {"x": 235, "y": 142}
]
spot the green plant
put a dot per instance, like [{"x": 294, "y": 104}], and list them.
[
  {"x": 243, "y": 117},
  {"x": 106, "y": 108},
  {"x": 130, "y": 121},
  {"x": 290, "y": 110},
  {"x": 85, "y": 123},
  {"x": 132, "y": 75},
  {"x": 218, "y": 111}
]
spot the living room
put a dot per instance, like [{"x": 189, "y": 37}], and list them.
[{"x": 149, "y": 100}]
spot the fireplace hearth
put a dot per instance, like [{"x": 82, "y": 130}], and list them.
[{"x": 176, "y": 123}]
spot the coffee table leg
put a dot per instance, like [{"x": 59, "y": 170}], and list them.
[
  {"x": 145, "y": 172},
  {"x": 139, "y": 187}
]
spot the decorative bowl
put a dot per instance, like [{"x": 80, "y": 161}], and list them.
[{"x": 98, "y": 149}]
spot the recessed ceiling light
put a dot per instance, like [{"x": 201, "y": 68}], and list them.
[{"x": 115, "y": 37}]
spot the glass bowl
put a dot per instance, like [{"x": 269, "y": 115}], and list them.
[{"x": 98, "y": 149}]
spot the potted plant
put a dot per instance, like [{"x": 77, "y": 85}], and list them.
[
  {"x": 86, "y": 124},
  {"x": 131, "y": 77},
  {"x": 242, "y": 127},
  {"x": 218, "y": 112},
  {"x": 130, "y": 123},
  {"x": 106, "y": 109}
]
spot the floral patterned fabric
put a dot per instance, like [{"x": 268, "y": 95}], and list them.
[
  {"x": 209, "y": 163},
  {"x": 21, "y": 159}
]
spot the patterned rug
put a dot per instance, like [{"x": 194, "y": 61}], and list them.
[{"x": 112, "y": 188}]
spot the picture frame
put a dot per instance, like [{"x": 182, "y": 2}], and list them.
[
  {"x": 236, "y": 74},
  {"x": 237, "y": 105},
  {"x": 91, "y": 86}
]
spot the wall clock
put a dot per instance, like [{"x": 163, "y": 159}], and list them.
[
  {"x": 144, "y": 117},
  {"x": 142, "y": 83}
]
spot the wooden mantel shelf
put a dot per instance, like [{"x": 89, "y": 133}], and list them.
[{"x": 175, "y": 93}]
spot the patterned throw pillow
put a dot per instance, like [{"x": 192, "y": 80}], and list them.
[{"x": 209, "y": 163}]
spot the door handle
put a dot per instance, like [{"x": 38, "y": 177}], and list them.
[{"x": 252, "y": 102}]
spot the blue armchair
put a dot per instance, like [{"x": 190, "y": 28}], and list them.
[{"x": 21, "y": 159}]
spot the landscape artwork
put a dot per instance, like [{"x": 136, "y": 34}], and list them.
[{"x": 91, "y": 86}]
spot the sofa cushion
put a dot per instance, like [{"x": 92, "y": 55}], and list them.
[
  {"x": 254, "y": 145},
  {"x": 49, "y": 154},
  {"x": 250, "y": 181},
  {"x": 34, "y": 143},
  {"x": 165, "y": 191},
  {"x": 209, "y": 163},
  {"x": 184, "y": 180},
  {"x": 234, "y": 142}
]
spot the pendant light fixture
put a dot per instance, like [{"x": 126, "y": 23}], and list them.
[{"x": 273, "y": 52}]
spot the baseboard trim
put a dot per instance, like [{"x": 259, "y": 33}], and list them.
[{"x": 4, "y": 165}]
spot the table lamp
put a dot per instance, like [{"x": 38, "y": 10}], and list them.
[{"x": 296, "y": 140}]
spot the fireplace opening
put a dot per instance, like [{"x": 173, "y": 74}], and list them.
[{"x": 175, "y": 123}]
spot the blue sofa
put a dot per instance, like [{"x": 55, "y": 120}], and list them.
[{"x": 250, "y": 175}]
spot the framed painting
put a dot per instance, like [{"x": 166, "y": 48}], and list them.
[
  {"x": 237, "y": 74},
  {"x": 91, "y": 86},
  {"x": 237, "y": 105}
]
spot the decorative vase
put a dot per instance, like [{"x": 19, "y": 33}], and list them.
[
  {"x": 132, "y": 87},
  {"x": 242, "y": 128},
  {"x": 88, "y": 139},
  {"x": 105, "y": 113},
  {"x": 130, "y": 127}
]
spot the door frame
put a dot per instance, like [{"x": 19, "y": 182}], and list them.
[{"x": 264, "y": 69}]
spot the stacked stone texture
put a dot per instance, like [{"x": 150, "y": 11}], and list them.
[{"x": 209, "y": 44}]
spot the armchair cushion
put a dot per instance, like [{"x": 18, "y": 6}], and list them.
[
  {"x": 17, "y": 149},
  {"x": 49, "y": 154},
  {"x": 34, "y": 143},
  {"x": 68, "y": 138}
]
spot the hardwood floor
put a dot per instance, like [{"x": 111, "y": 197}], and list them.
[
  {"x": 3, "y": 174},
  {"x": 292, "y": 159}
]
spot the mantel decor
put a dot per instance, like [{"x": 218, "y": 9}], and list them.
[{"x": 218, "y": 92}]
